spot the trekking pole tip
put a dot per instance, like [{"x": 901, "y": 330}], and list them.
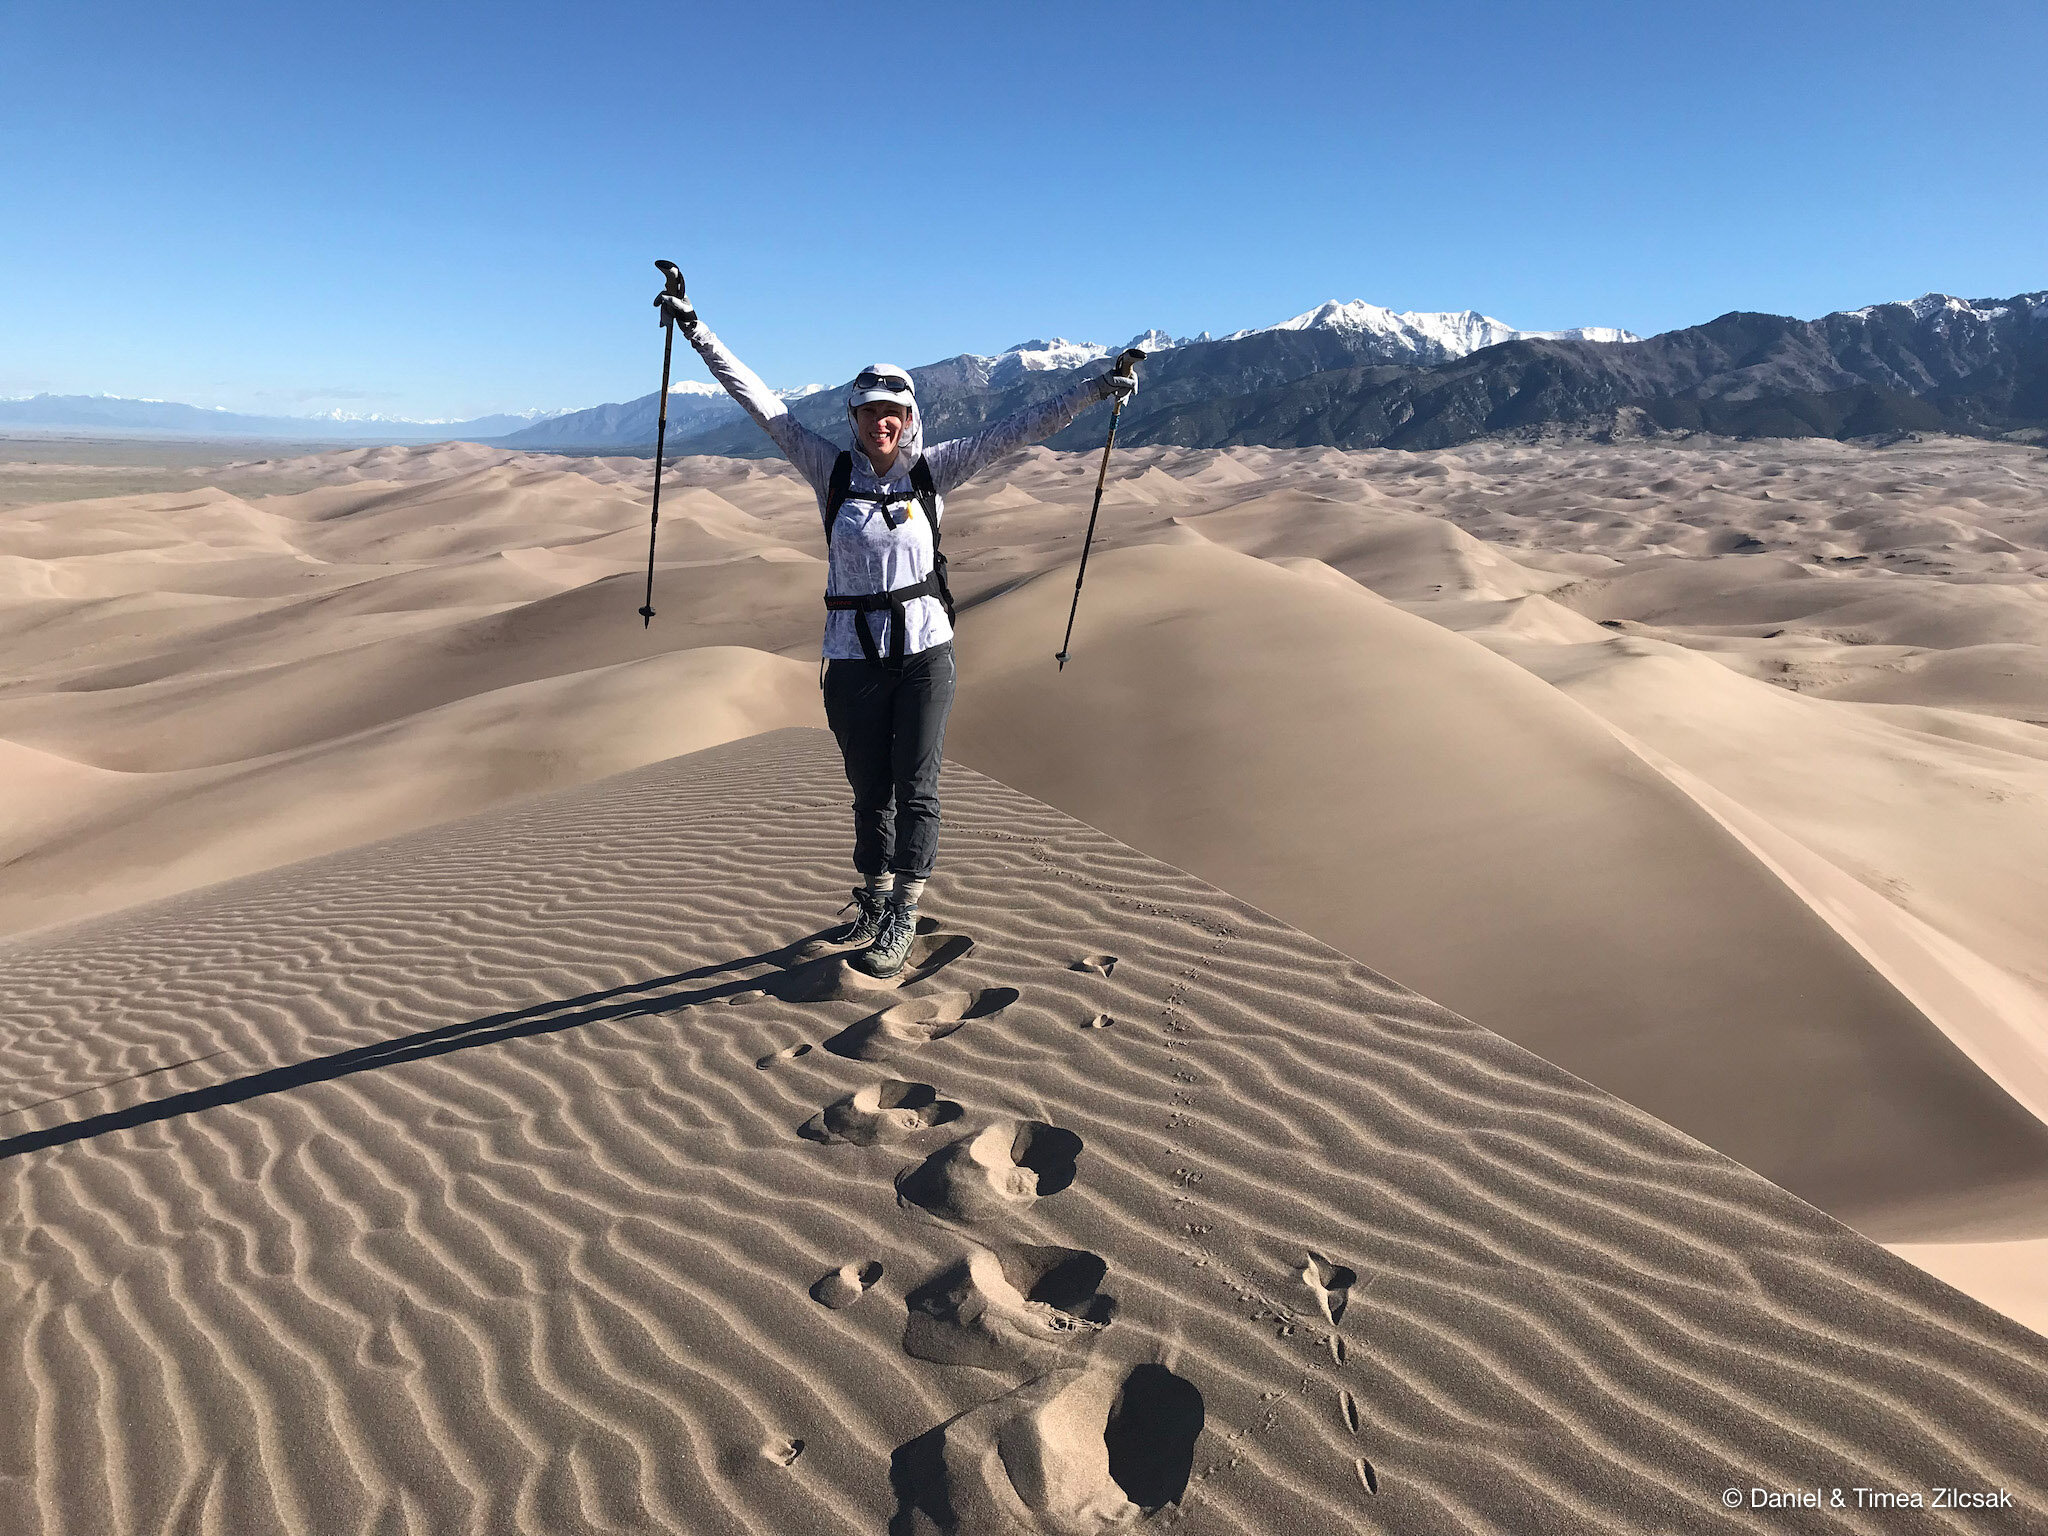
[{"x": 646, "y": 617}]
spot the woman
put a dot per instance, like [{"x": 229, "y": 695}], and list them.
[{"x": 888, "y": 669}]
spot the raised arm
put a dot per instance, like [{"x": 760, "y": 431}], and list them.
[
  {"x": 812, "y": 454},
  {"x": 965, "y": 457}
]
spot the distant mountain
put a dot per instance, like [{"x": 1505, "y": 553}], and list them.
[
  {"x": 1426, "y": 338},
  {"x": 1355, "y": 376},
  {"x": 694, "y": 406},
  {"x": 1348, "y": 375},
  {"x": 1972, "y": 367},
  {"x": 110, "y": 415},
  {"x": 960, "y": 393},
  {"x": 700, "y": 408}
]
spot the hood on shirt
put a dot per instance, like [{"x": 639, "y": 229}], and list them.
[{"x": 912, "y": 443}]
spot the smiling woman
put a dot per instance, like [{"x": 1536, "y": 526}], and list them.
[
  {"x": 878, "y": 426},
  {"x": 885, "y": 591}
]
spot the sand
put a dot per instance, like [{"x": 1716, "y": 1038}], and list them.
[
  {"x": 470, "y": 1181},
  {"x": 1711, "y": 774}
]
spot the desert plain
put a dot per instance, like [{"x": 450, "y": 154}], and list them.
[{"x": 1499, "y": 990}]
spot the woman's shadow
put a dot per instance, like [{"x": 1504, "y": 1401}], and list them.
[{"x": 806, "y": 971}]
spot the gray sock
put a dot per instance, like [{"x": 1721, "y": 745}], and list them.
[
  {"x": 882, "y": 884},
  {"x": 908, "y": 889}
]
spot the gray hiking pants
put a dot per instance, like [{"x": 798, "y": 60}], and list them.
[{"x": 891, "y": 727}]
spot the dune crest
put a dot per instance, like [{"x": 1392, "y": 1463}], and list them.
[
  {"x": 1845, "y": 644},
  {"x": 424, "y": 1183}
]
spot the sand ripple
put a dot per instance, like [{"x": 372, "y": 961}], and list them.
[{"x": 431, "y": 1187}]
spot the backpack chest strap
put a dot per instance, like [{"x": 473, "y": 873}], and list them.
[
  {"x": 923, "y": 488},
  {"x": 893, "y": 602}
]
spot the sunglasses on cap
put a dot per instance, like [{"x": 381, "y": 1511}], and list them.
[{"x": 873, "y": 380}]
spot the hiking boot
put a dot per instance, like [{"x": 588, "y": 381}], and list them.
[
  {"x": 885, "y": 957},
  {"x": 866, "y": 924}
]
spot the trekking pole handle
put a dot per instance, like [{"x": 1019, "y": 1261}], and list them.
[
  {"x": 1127, "y": 361},
  {"x": 673, "y": 276}
]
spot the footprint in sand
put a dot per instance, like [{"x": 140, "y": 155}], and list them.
[
  {"x": 1347, "y": 1405},
  {"x": 999, "y": 1308},
  {"x": 845, "y": 1285},
  {"x": 1100, "y": 1021},
  {"x": 787, "y": 1053},
  {"x": 1003, "y": 1167},
  {"x": 1077, "y": 1449},
  {"x": 1368, "y": 1479},
  {"x": 1330, "y": 1283},
  {"x": 833, "y": 979},
  {"x": 930, "y": 951},
  {"x": 917, "y": 1021},
  {"x": 1101, "y": 965},
  {"x": 885, "y": 1111},
  {"x": 783, "y": 1452}
]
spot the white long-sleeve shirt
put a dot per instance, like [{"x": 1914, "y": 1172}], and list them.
[{"x": 866, "y": 555}]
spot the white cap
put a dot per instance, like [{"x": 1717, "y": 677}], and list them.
[{"x": 882, "y": 381}]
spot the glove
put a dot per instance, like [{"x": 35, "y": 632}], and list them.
[
  {"x": 677, "y": 309},
  {"x": 1121, "y": 387}
]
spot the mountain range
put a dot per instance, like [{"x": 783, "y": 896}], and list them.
[
  {"x": 112, "y": 415},
  {"x": 1345, "y": 375},
  {"x": 698, "y": 407},
  {"x": 960, "y": 393},
  {"x": 1938, "y": 364},
  {"x": 1357, "y": 376}
]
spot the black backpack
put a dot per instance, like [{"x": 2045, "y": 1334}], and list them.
[{"x": 923, "y": 490}]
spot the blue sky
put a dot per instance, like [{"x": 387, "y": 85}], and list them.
[{"x": 438, "y": 210}]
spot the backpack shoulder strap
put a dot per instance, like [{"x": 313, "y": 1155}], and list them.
[
  {"x": 927, "y": 493},
  {"x": 836, "y": 489}
]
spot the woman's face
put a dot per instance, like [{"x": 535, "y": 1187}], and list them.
[{"x": 881, "y": 424}]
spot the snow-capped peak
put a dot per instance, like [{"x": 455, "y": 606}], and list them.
[
  {"x": 1602, "y": 333},
  {"x": 1931, "y": 304},
  {"x": 1438, "y": 335},
  {"x": 1946, "y": 306},
  {"x": 706, "y": 389},
  {"x": 380, "y": 418},
  {"x": 1039, "y": 356},
  {"x": 1926, "y": 305},
  {"x": 1156, "y": 340}
]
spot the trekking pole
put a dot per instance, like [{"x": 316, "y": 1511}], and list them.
[
  {"x": 1127, "y": 365},
  {"x": 674, "y": 278}
]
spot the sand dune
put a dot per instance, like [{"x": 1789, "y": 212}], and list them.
[
  {"x": 1548, "y": 852},
  {"x": 195, "y": 717},
  {"x": 459, "y": 1183},
  {"x": 1873, "y": 781},
  {"x": 1397, "y": 554},
  {"x": 1621, "y": 797},
  {"x": 2013, "y": 1276},
  {"x": 135, "y": 836},
  {"x": 1997, "y": 679}
]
